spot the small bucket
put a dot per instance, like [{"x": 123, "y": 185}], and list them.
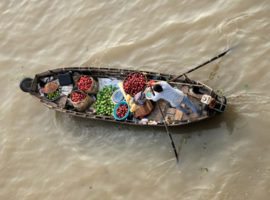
[
  {"x": 115, "y": 109},
  {"x": 148, "y": 93}
]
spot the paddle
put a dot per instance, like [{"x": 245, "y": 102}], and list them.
[
  {"x": 205, "y": 63},
  {"x": 166, "y": 127},
  {"x": 191, "y": 70},
  {"x": 168, "y": 133}
]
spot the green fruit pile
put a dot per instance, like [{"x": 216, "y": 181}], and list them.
[
  {"x": 53, "y": 96},
  {"x": 104, "y": 104}
]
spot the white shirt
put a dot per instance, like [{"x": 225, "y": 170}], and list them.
[{"x": 170, "y": 94}]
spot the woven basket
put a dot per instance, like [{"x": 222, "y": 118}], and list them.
[
  {"x": 143, "y": 111},
  {"x": 132, "y": 82}
]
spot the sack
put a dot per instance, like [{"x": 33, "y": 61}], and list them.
[
  {"x": 94, "y": 86},
  {"x": 84, "y": 104}
]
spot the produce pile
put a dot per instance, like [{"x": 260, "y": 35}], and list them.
[
  {"x": 121, "y": 111},
  {"x": 50, "y": 87},
  {"x": 104, "y": 104},
  {"x": 77, "y": 96},
  {"x": 134, "y": 83},
  {"x": 84, "y": 83},
  {"x": 53, "y": 96}
]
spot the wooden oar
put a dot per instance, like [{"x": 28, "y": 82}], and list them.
[
  {"x": 205, "y": 63},
  {"x": 168, "y": 133},
  {"x": 173, "y": 79},
  {"x": 166, "y": 127}
]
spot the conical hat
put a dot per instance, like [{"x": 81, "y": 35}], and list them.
[{"x": 50, "y": 87}]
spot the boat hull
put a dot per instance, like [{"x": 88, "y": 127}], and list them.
[{"x": 194, "y": 89}]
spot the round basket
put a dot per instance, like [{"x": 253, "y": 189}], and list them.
[
  {"x": 145, "y": 110},
  {"x": 117, "y": 96},
  {"x": 115, "y": 109},
  {"x": 134, "y": 84},
  {"x": 46, "y": 97}
]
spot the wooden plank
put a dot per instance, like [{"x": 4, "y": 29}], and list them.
[{"x": 172, "y": 115}]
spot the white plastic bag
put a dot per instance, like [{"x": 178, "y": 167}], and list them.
[{"x": 107, "y": 82}]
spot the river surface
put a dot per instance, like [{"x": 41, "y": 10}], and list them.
[{"x": 51, "y": 156}]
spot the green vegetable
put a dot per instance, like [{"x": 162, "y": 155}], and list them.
[
  {"x": 104, "y": 104},
  {"x": 53, "y": 96}
]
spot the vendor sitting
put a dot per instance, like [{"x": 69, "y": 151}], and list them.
[{"x": 162, "y": 90}]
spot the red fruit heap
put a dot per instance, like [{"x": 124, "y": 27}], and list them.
[
  {"x": 84, "y": 83},
  {"x": 122, "y": 111},
  {"x": 134, "y": 83},
  {"x": 77, "y": 96}
]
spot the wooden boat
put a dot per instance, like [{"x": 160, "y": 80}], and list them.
[{"x": 202, "y": 95}]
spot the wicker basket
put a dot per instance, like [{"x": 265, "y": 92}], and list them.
[
  {"x": 143, "y": 111},
  {"x": 132, "y": 82}
]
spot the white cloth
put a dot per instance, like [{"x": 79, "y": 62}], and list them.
[{"x": 66, "y": 90}]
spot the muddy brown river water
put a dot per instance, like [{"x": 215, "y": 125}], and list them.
[{"x": 52, "y": 156}]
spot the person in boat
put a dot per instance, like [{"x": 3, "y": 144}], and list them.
[{"x": 175, "y": 97}]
